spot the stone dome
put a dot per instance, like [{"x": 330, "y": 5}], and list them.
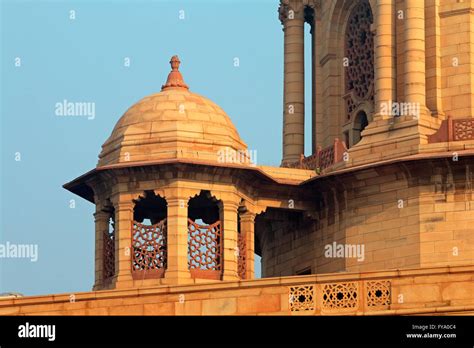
[{"x": 172, "y": 124}]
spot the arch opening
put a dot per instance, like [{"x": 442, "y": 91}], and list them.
[
  {"x": 205, "y": 236},
  {"x": 360, "y": 123},
  {"x": 149, "y": 236}
]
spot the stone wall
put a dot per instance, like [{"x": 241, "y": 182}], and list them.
[
  {"x": 404, "y": 214},
  {"x": 440, "y": 291}
]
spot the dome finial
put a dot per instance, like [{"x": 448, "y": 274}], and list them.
[{"x": 175, "y": 79}]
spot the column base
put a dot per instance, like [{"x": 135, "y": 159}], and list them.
[
  {"x": 177, "y": 277},
  {"x": 387, "y": 139},
  {"x": 122, "y": 282},
  {"x": 230, "y": 276}
]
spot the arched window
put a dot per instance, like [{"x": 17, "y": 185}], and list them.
[
  {"x": 360, "y": 122},
  {"x": 359, "y": 51}
]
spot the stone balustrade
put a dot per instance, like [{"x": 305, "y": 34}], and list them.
[{"x": 435, "y": 290}]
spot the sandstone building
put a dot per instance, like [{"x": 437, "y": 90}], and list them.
[{"x": 377, "y": 220}]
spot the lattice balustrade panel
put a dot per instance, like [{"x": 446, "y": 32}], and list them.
[
  {"x": 463, "y": 129},
  {"x": 326, "y": 157},
  {"x": 149, "y": 246},
  {"x": 340, "y": 295},
  {"x": 204, "y": 252},
  {"x": 242, "y": 256},
  {"x": 109, "y": 252},
  {"x": 378, "y": 293},
  {"x": 301, "y": 298},
  {"x": 310, "y": 162}
]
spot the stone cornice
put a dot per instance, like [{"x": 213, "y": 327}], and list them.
[{"x": 456, "y": 12}]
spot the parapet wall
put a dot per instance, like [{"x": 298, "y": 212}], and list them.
[{"x": 440, "y": 291}]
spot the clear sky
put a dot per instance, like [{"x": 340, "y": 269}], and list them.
[{"x": 82, "y": 60}]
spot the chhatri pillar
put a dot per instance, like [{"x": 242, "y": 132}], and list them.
[
  {"x": 247, "y": 230},
  {"x": 229, "y": 211},
  {"x": 101, "y": 226},
  {"x": 177, "y": 240},
  {"x": 292, "y": 16},
  {"x": 123, "y": 206}
]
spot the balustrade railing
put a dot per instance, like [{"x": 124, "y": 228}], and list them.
[
  {"x": 340, "y": 296},
  {"x": 453, "y": 130},
  {"x": 323, "y": 158}
]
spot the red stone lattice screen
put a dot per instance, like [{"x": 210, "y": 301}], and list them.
[
  {"x": 242, "y": 256},
  {"x": 149, "y": 250},
  {"x": 108, "y": 250},
  {"x": 326, "y": 157},
  {"x": 463, "y": 129},
  {"x": 205, "y": 249},
  {"x": 453, "y": 130},
  {"x": 323, "y": 158},
  {"x": 359, "y": 50}
]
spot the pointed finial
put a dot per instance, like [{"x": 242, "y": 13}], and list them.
[{"x": 175, "y": 79}]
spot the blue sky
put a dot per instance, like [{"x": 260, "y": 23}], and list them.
[{"x": 82, "y": 60}]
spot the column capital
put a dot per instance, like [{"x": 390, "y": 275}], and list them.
[
  {"x": 100, "y": 214},
  {"x": 121, "y": 200},
  {"x": 247, "y": 216},
  {"x": 123, "y": 206},
  {"x": 292, "y": 9},
  {"x": 181, "y": 202},
  {"x": 230, "y": 205}
]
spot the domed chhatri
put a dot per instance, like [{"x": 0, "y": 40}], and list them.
[{"x": 174, "y": 123}]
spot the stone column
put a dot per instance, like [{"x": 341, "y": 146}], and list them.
[
  {"x": 230, "y": 237},
  {"x": 385, "y": 70},
  {"x": 415, "y": 83},
  {"x": 311, "y": 19},
  {"x": 434, "y": 100},
  {"x": 123, "y": 240},
  {"x": 177, "y": 270},
  {"x": 101, "y": 225},
  {"x": 247, "y": 227},
  {"x": 317, "y": 79},
  {"x": 292, "y": 18}
]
